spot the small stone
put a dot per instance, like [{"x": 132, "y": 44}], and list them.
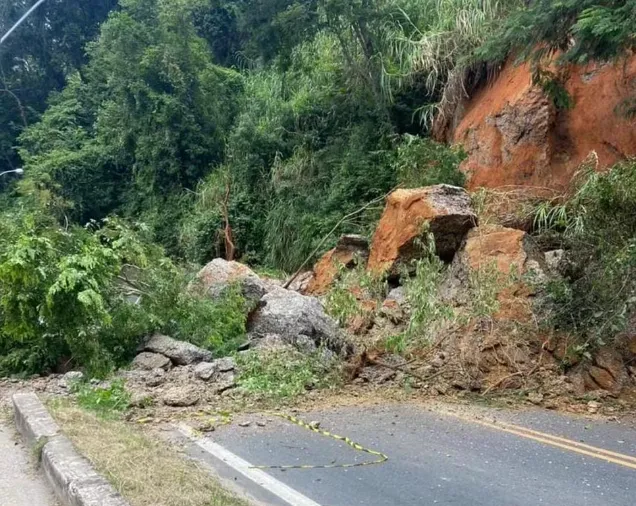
[
  {"x": 245, "y": 424},
  {"x": 550, "y": 404},
  {"x": 224, "y": 381},
  {"x": 260, "y": 423},
  {"x": 593, "y": 406},
  {"x": 215, "y": 370},
  {"x": 315, "y": 425},
  {"x": 141, "y": 400},
  {"x": 205, "y": 370},
  {"x": 205, "y": 426},
  {"x": 225, "y": 364},
  {"x": 156, "y": 377},
  {"x": 535, "y": 397}
]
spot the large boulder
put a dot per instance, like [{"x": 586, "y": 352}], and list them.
[
  {"x": 504, "y": 260},
  {"x": 349, "y": 249},
  {"x": 294, "y": 317},
  {"x": 446, "y": 209},
  {"x": 607, "y": 371},
  {"x": 215, "y": 278},
  {"x": 496, "y": 246},
  {"x": 180, "y": 352},
  {"x": 148, "y": 361}
]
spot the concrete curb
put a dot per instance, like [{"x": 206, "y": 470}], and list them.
[{"x": 73, "y": 478}]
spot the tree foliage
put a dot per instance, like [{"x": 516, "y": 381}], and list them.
[{"x": 580, "y": 30}]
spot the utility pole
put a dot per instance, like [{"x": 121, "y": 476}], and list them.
[{"x": 21, "y": 20}]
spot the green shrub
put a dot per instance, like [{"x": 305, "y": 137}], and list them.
[
  {"x": 65, "y": 295},
  {"x": 423, "y": 162},
  {"x": 107, "y": 401},
  {"x": 282, "y": 373},
  {"x": 598, "y": 227},
  {"x": 422, "y": 294}
]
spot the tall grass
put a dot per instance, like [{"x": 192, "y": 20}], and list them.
[{"x": 437, "y": 46}]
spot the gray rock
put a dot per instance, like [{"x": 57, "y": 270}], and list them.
[
  {"x": 535, "y": 397},
  {"x": 398, "y": 295},
  {"x": 224, "y": 381},
  {"x": 180, "y": 397},
  {"x": 217, "y": 276},
  {"x": 180, "y": 352},
  {"x": 207, "y": 371},
  {"x": 267, "y": 342},
  {"x": 354, "y": 242},
  {"x": 554, "y": 260},
  {"x": 290, "y": 315},
  {"x": 535, "y": 273},
  {"x": 71, "y": 377},
  {"x": 305, "y": 344},
  {"x": 141, "y": 399},
  {"x": 225, "y": 364},
  {"x": 156, "y": 377},
  {"x": 148, "y": 361}
]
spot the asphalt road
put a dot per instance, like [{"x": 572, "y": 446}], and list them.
[
  {"x": 437, "y": 458},
  {"x": 20, "y": 483}
]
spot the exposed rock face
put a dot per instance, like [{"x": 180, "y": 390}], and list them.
[
  {"x": 349, "y": 248},
  {"x": 219, "y": 274},
  {"x": 446, "y": 208},
  {"x": 149, "y": 361},
  {"x": 294, "y": 317},
  {"x": 514, "y": 135},
  {"x": 180, "y": 352}
]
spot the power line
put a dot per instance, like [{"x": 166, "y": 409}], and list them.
[{"x": 21, "y": 20}]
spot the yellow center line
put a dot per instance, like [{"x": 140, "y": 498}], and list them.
[
  {"x": 578, "y": 444},
  {"x": 559, "y": 442}
]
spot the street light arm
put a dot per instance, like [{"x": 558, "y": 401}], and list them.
[
  {"x": 20, "y": 21},
  {"x": 17, "y": 171}
]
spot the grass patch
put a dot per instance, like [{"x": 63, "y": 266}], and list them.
[
  {"x": 285, "y": 373},
  {"x": 145, "y": 471},
  {"x": 107, "y": 402}
]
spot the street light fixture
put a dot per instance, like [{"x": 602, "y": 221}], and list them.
[{"x": 17, "y": 171}]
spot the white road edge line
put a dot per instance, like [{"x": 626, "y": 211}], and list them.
[{"x": 258, "y": 476}]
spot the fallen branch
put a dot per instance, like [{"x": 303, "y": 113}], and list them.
[
  {"x": 491, "y": 387},
  {"x": 518, "y": 373},
  {"x": 324, "y": 239},
  {"x": 400, "y": 368}
]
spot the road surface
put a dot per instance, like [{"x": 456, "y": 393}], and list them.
[
  {"x": 20, "y": 483},
  {"x": 495, "y": 458}
]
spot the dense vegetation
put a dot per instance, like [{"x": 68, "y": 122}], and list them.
[{"x": 186, "y": 117}]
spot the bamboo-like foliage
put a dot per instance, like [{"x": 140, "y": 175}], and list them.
[{"x": 437, "y": 47}]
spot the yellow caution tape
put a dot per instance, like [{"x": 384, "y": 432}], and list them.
[{"x": 382, "y": 457}]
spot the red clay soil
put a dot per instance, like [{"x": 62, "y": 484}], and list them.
[
  {"x": 514, "y": 135},
  {"x": 326, "y": 270}
]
